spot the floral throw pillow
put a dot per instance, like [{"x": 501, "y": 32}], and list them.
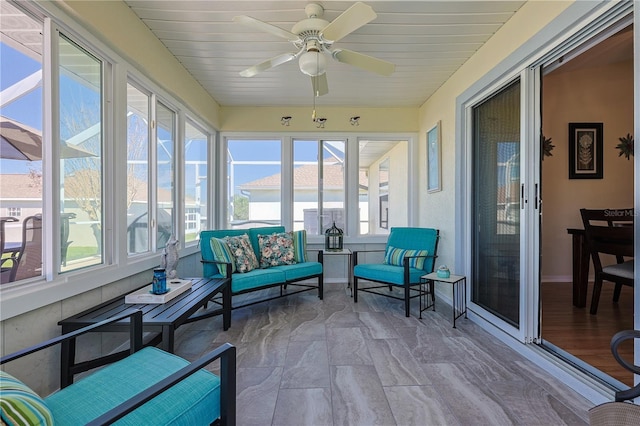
[
  {"x": 276, "y": 249},
  {"x": 243, "y": 253}
]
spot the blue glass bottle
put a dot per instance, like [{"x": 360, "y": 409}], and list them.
[{"x": 159, "y": 281}]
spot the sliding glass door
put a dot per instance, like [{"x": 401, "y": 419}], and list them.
[{"x": 496, "y": 190}]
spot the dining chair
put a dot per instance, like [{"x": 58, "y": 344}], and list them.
[
  {"x": 8, "y": 257},
  {"x": 30, "y": 257},
  {"x": 609, "y": 232}
]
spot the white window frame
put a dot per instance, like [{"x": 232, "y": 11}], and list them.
[{"x": 351, "y": 177}]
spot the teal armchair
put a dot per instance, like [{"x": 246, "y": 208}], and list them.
[
  {"x": 410, "y": 253},
  {"x": 144, "y": 386}
]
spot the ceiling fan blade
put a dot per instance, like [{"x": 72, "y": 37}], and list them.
[
  {"x": 320, "y": 85},
  {"x": 263, "y": 26},
  {"x": 350, "y": 20},
  {"x": 367, "y": 63},
  {"x": 269, "y": 63}
]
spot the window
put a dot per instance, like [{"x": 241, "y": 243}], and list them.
[
  {"x": 383, "y": 182},
  {"x": 254, "y": 182},
  {"x": 138, "y": 132},
  {"x": 81, "y": 159},
  {"x": 191, "y": 222},
  {"x": 81, "y": 186},
  {"x": 21, "y": 177},
  {"x": 14, "y": 211},
  {"x": 383, "y": 191},
  {"x": 318, "y": 185},
  {"x": 165, "y": 142},
  {"x": 195, "y": 181}
]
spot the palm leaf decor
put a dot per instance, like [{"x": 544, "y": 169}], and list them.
[
  {"x": 625, "y": 146},
  {"x": 547, "y": 146}
]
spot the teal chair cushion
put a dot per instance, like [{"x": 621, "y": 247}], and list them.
[
  {"x": 391, "y": 274},
  {"x": 256, "y": 278},
  {"x": 193, "y": 401},
  {"x": 299, "y": 270}
]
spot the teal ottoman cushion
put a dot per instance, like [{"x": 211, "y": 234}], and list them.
[{"x": 194, "y": 401}]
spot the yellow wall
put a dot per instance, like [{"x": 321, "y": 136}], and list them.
[
  {"x": 115, "y": 23},
  {"x": 437, "y": 210},
  {"x": 602, "y": 94},
  {"x": 268, "y": 119}
]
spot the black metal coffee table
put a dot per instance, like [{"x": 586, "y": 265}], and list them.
[{"x": 160, "y": 319}]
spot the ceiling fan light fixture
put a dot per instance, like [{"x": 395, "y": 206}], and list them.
[{"x": 313, "y": 63}]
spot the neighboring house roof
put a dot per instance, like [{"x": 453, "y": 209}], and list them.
[
  {"x": 20, "y": 186},
  {"x": 24, "y": 186},
  {"x": 307, "y": 177}
]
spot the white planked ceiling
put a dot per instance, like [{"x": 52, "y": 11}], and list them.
[{"x": 426, "y": 40}]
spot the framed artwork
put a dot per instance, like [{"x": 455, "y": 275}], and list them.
[
  {"x": 585, "y": 151},
  {"x": 433, "y": 159}
]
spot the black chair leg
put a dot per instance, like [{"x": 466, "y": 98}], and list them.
[
  {"x": 407, "y": 300},
  {"x": 616, "y": 292},
  {"x": 355, "y": 289},
  {"x": 595, "y": 297}
]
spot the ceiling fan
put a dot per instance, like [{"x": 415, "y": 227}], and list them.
[{"x": 314, "y": 38}]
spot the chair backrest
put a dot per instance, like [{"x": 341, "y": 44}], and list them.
[
  {"x": 205, "y": 247},
  {"x": 608, "y": 231},
  {"x": 30, "y": 258},
  {"x": 416, "y": 239},
  {"x": 8, "y": 263}
]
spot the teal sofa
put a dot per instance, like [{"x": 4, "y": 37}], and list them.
[
  {"x": 149, "y": 386},
  {"x": 282, "y": 276},
  {"x": 410, "y": 253}
]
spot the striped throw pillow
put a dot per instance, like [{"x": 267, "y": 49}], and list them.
[
  {"x": 222, "y": 253},
  {"x": 395, "y": 256},
  {"x": 299, "y": 245},
  {"x": 19, "y": 405}
]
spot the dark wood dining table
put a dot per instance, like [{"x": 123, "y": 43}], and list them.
[{"x": 580, "y": 266}]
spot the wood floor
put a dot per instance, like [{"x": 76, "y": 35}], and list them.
[{"x": 587, "y": 336}]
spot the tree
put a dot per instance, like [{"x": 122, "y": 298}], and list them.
[{"x": 240, "y": 207}]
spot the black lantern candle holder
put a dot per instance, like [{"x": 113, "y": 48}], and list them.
[{"x": 333, "y": 238}]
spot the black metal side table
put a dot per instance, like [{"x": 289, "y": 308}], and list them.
[{"x": 459, "y": 299}]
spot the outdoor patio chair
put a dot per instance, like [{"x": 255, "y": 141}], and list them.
[
  {"x": 30, "y": 256},
  {"x": 609, "y": 232},
  {"x": 9, "y": 257},
  {"x": 410, "y": 253}
]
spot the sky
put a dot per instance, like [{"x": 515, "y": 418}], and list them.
[{"x": 15, "y": 66}]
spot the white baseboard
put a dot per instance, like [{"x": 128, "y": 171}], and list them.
[{"x": 560, "y": 278}]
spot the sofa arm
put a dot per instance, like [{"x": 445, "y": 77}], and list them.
[
  {"x": 217, "y": 262},
  {"x": 227, "y": 355},
  {"x": 135, "y": 333}
]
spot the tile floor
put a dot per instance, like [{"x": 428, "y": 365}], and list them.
[{"x": 303, "y": 361}]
